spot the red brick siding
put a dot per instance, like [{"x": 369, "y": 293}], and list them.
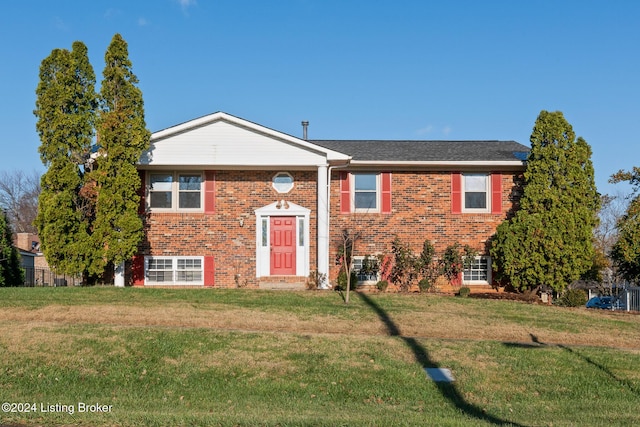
[
  {"x": 237, "y": 195},
  {"x": 421, "y": 209}
]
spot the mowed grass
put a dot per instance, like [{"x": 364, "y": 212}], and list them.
[{"x": 191, "y": 357}]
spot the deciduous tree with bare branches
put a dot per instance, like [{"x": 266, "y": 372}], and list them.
[{"x": 19, "y": 193}]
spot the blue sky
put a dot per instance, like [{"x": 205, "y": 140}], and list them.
[{"x": 356, "y": 69}]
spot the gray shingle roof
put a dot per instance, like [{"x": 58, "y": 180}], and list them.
[{"x": 427, "y": 151}]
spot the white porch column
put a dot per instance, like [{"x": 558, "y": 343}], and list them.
[
  {"x": 119, "y": 275},
  {"x": 323, "y": 225}
]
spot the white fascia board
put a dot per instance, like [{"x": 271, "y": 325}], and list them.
[
  {"x": 440, "y": 164},
  {"x": 195, "y": 123}
]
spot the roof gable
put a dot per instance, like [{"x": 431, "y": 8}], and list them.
[{"x": 220, "y": 140}]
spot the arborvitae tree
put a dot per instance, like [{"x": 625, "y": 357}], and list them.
[
  {"x": 65, "y": 111},
  {"x": 626, "y": 250},
  {"x": 122, "y": 137},
  {"x": 11, "y": 273},
  {"x": 549, "y": 239}
]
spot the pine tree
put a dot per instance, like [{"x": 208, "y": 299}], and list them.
[
  {"x": 122, "y": 138},
  {"x": 11, "y": 274},
  {"x": 549, "y": 239},
  {"x": 65, "y": 111}
]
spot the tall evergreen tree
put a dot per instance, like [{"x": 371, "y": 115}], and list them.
[
  {"x": 549, "y": 239},
  {"x": 65, "y": 111},
  {"x": 122, "y": 137},
  {"x": 11, "y": 273}
]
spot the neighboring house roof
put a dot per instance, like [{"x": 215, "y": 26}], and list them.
[{"x": 429, "y": 152}]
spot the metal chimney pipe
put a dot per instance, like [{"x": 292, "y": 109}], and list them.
[{"x": 305, "y": 125}]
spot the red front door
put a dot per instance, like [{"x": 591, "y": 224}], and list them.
[{"x": 283, "y": 245}]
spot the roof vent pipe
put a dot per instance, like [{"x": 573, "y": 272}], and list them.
[{"x": 305, "y": 125}]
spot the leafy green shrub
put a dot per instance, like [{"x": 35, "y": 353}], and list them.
[
  {"x": 464, "y": 291},
  {"x": 455, "y": 259},
  {"x": 424, "y": 285},
  {"x": 573, "y": 298},
  {"x": 382, "y": 285},
  {"x": 341, "y": 281}
]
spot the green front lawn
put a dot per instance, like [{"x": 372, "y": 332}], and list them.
[{"x": 304, "y": 358}]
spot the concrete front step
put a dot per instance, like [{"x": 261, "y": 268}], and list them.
[{"x": 285, "y": 284}]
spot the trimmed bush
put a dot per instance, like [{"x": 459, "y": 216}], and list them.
[
  {"x": 424, "y": 285},
  {"x": 573, "y": 298},
  {"x": 341, "y": 284},
  {"x": 464, "y": 291},
  {"x": 382, "y": 285}
]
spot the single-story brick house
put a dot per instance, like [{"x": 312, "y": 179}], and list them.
[{"x": 230, "y": 203}]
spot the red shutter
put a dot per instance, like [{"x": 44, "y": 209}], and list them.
[
  {"x": 209, "y": 271},
  {"x": 456, "y": 192},
  {"x": 142, "y": 192},
  {"x": 137, "y": 270},
  {"x": 386, "y": 192},
  {"x": 209, "y": 192},
  {"x": 345, "y": 193},
  {"x": 496, "y": 193}
]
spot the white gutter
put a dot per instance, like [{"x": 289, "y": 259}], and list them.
[{"x": 410, "y": 163}]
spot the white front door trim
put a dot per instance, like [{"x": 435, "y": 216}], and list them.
[{"x": 263, "y": 236}]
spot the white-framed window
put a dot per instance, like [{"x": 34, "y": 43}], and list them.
[
  {"x": 366, "y": 267},
  {"x": 366, "y": 192},
  {"x": 479, "y": 272},
  {"x": 282, "y": 182},
  {"x": 176, "y": 191},
  {"x": 178, "y": 270},
  {"x": 476, "y": 192}
]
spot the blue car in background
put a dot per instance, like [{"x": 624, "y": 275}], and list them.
[{"x": 606, "y": 303}]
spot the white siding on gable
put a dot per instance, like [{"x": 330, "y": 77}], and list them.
[{"x": 221, "y": 143}]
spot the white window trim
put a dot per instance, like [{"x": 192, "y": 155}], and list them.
[
  {"x": 175, "y": 191},
  {"x": 352, "y": 186},
  {"x": 480, "y": 282},
  {"x": 487, "y": 193},
  {"x": 174, "y": 265}
]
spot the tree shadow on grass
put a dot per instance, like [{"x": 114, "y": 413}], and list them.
[
  {"x": 536, "y": 343},
  {"x": 447, "y": 390}
]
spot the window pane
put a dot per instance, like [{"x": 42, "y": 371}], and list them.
[
  {"x": 161, "y": 182},
  {"x": 184, "y": 264},
  {"x": 365, "y": 200},
  {"x": 159, "y": 264},
  {"x": 264, "y": 232},
  {"x": 365, "y": 181},
  {"x": 475, "y": 183},
  {"x": 478, "y": 271},
  {"x": 160, "y": 199},
  {"x": 160, "y": 270},
  {"x": 189, "y": 200},
  {"x": 189, "y": 182},
  {"x": 300, "y": 232},
  {"x": 475, "y": 200},
  {"x": 189, "y": 276}
]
